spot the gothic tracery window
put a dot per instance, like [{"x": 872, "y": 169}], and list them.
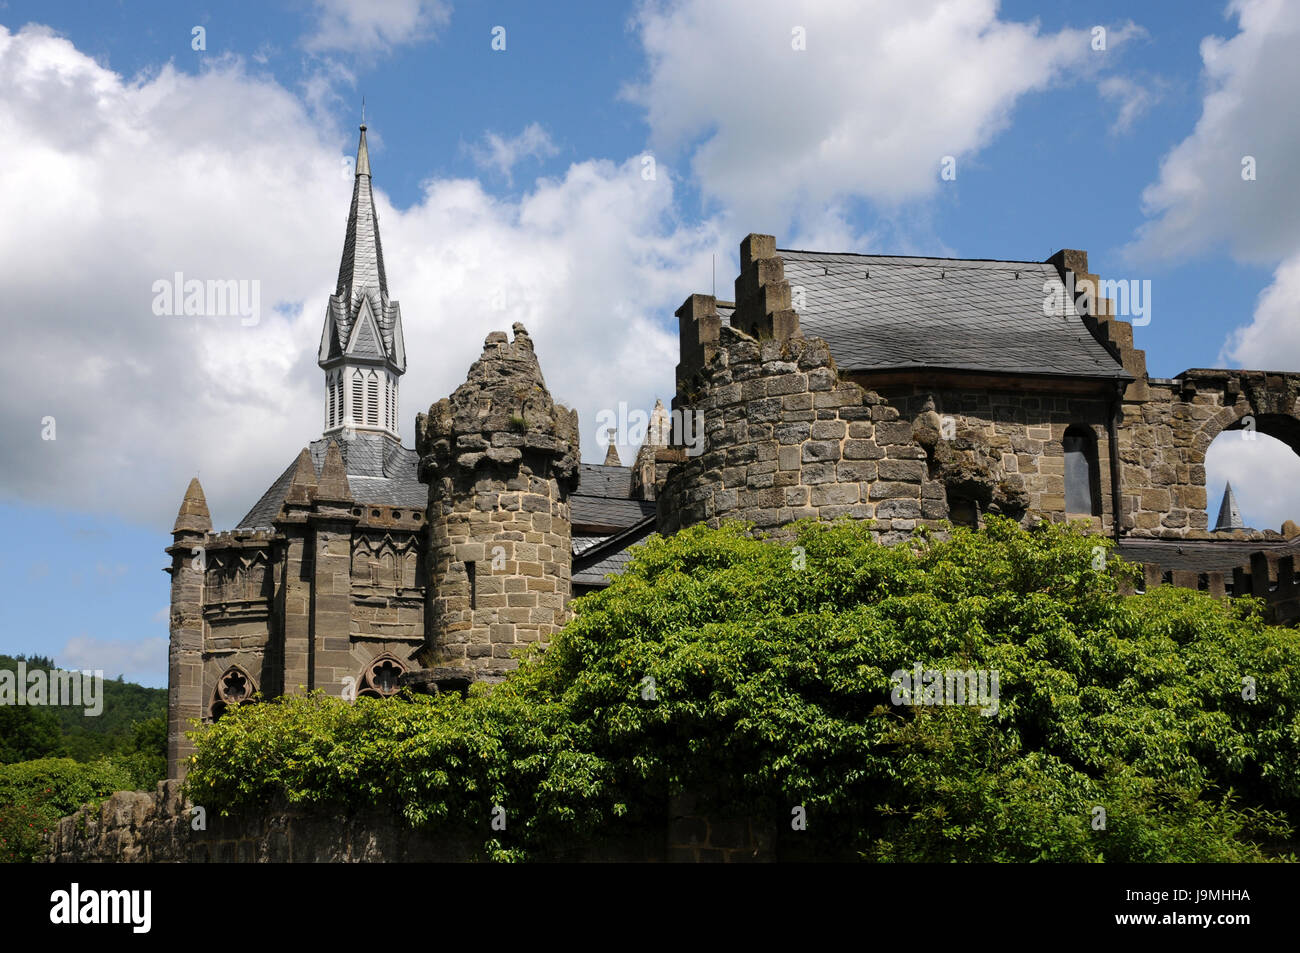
[
  {"x": 379, "y": 679},
  {"x": 234, "y": 688}
]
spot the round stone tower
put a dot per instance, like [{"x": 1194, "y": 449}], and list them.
[{"x": 500, "y": 459}]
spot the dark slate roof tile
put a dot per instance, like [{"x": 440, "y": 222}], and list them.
[
  {"x": 610, "y": 556},
  {"x": 883, "y": 311},
  {"x": 597, "y": 479},
  {"x": 597, "y": 511},
  {"x": 380, "y": 471}
]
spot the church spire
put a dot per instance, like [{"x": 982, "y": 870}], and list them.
[
  {"x": 1229, "y": 514},
  {"x": 361, "y": 349}
]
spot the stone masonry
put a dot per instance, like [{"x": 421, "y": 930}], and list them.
[
  {"x": 789, "y": 435},
  {"x": 500, "y": 458}
]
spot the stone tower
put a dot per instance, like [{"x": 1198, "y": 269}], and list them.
[
  {"x": 500, "y": 458},
  {"x": 185, "y": 650}
]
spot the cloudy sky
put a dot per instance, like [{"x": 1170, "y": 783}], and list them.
[{"x": 151, "y": 138}]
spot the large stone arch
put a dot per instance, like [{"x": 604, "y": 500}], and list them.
[
  {"x": 1167, "y": 431},
  {"x": 1266, "y": 403},
  {"x": 1283, "y": 426}
]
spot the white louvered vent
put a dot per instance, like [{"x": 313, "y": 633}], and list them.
[{"x": 372, "y": 400}]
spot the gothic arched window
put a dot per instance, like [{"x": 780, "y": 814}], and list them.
[
  {"x": 234, "y": 688},
  {"x": 1082, "y": 478}
]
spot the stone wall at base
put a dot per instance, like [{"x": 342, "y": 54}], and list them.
[{"x": 159, "y": 827}]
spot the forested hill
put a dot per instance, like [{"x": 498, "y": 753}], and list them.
[{"x": 28, "y": 732}]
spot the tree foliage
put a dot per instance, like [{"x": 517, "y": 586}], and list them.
[
  {"x": 35, "y": 794},
  {"x": 761, "y": 677}
]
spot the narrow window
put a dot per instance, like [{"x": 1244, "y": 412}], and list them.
[
  {"x": 372, "y": 400},
  {"x": 358, "y": 398},
  {"x": 329, "y": 416},
  {"x": 1082, "y": 484},
  {"x": 473, "y": 587}
]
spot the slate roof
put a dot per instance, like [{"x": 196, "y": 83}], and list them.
[
  {"x": 379, "y": 469},
  {"x": 604, "y": 499},
  {"x": 1203, "y": 555},
  {"x": 887, "y": 311},
  {"x": 611, "y": 556}
]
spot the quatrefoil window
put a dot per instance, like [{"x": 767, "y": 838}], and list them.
[
  {"x": 380, "y": 679},
  {"x": 235, "y": 687}
]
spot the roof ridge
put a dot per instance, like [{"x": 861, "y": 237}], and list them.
[{"x": 858, "y": 254}]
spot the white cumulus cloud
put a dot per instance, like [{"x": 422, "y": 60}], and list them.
[
  {"x": 502, "y": 154},
  {"x": 371, "y": 26},
  {"x": 878, "y": 96},
  {"x": 1264, "y": 474}
]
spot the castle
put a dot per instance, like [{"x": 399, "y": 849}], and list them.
[{"x": 903, "y": 390}]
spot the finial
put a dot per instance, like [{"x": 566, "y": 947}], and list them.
[
  {"x": 611, "y": 449},
  {"x": 363, "y": 112}
]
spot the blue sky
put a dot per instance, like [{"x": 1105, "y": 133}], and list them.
[{"x": 513, "y": 176}]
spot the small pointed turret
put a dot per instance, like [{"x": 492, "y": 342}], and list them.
[
  {"x": 193, "y": 516},
  {"x": 611, "y": 450},
  {"x": 1229, "y": 514},
  {"x": 333, "y": 486},
  {"x": 302, "y": 488}
]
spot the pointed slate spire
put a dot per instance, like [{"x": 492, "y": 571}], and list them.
[
  {"x": 1229, "y": 514},
  {"x": 302, "y": 488},
  {"x": 361, "y": 270},
  {"x": 193, "y": 516},
  {"x": 333, "y": 485},
  {"x": 611, "y": 450},
  {"x": 362, "y": 350}
]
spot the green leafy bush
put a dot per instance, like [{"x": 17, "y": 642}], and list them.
[
  {"x": 760, "y": 676},
  {"x": 35, "y": 794}
]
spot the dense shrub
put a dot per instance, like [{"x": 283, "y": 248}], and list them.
[
  {"x": 35, "y": 794},
  {"x": 771, "y": 688}
]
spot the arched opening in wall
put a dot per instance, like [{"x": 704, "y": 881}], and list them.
[
  {"x": 1260, "y": 458},
  {"x": 235, "y": 687},
  {"x": 1082, "y": 471},
  {"x": 379, "y": 678}
]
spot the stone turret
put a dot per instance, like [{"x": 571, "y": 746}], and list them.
[
  {"x": 185, "y": 644},
  {"x": 500, "y": 458}
]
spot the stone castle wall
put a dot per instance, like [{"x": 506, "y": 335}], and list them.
[
  {"x": 786, "y": 439},
  {"x": 1168, "y": 428},
  {"x": 161, "y": 827},
  {"x": 788, "y": 436},
  {"x": 1002, "y": 445}
]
